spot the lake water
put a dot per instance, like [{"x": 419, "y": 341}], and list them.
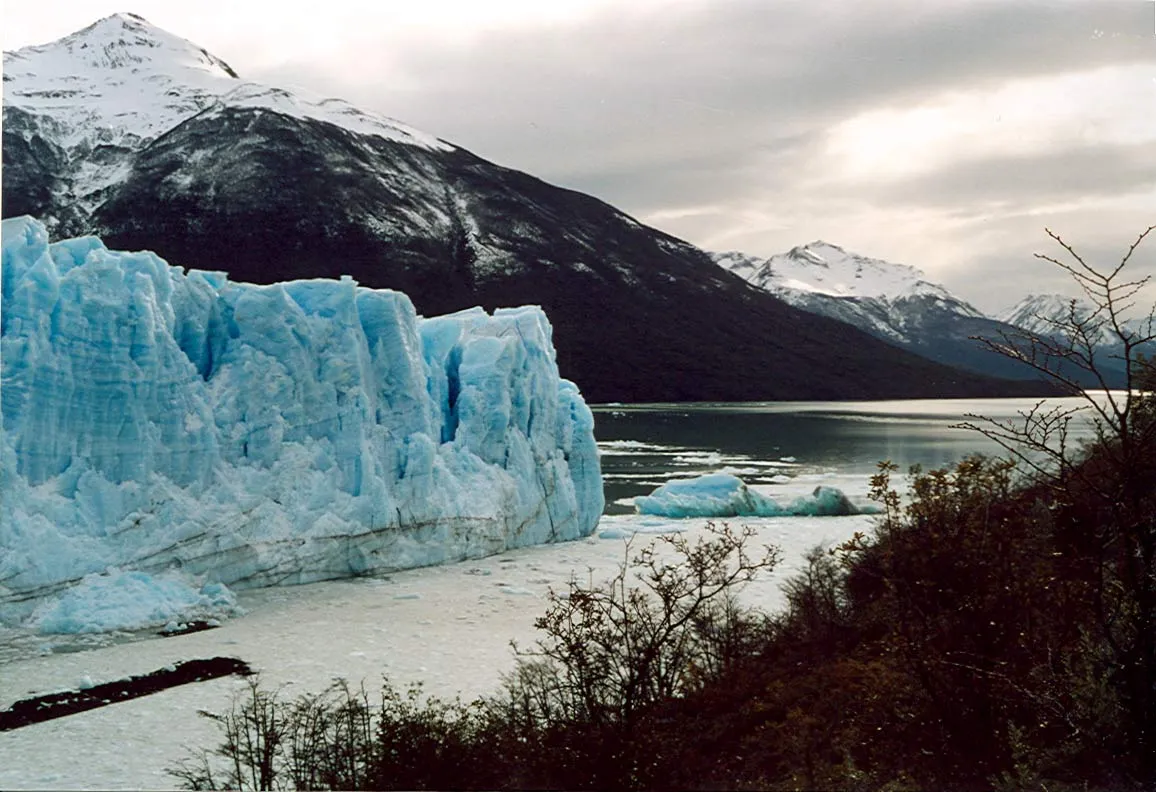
[{"x": 773, "y": 443}]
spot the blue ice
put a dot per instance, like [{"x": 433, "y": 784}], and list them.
[
  {"x": 159, "y": 420},
  {"x": 724, "y": 495}
]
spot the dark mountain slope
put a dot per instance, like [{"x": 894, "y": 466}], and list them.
[{"x": 638, "y": 315}]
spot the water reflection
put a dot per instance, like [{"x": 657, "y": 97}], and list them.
[{"x": 769, "y": 442}]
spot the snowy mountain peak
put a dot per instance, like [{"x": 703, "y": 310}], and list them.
[
  {"x": 891, "y": 301},
  {"x": 817, "y": 252},
  {"x": 122, "y": 82},
  {"x": 823, "y": 268},
  {"x": 1053, "y": 314},
  {"x": 1034, "y": 304},
  {"x": 806, "y": 253},
  {"x": 1044, "y": 313},
  {"x": 122, "y": 41}
]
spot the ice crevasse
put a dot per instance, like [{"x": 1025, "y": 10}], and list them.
[{"x": 175, "y": 423}]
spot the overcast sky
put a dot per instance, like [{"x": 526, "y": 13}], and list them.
[{"x": 940, "y": 133}]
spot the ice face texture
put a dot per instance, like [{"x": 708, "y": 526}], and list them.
[
  {"x": 160, "y": 421},
  {"x": 724, "y": 495}
]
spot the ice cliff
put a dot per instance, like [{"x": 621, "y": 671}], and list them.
[{"x": 177, "y": 423}]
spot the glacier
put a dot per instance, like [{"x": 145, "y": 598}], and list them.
[
  {"x": 178, "y": 425},
  {"x": 726, "y": 495}
]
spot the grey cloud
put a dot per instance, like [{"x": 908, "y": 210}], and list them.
[
  {"x": 723, "y": 106},
  {"x": 1002, "y": 250},
  {"x": 709, "y": 175},
  {"x": 559, "y": 101},
  {"x": 721, "y": 72},
  {"x": 1097, "y": 170},
  {"x": 996, "y": 279}
]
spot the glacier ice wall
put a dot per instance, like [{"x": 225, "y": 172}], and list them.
[{"x": 165, "y": 421}]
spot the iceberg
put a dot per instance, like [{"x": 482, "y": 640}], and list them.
[
  {"x": 724, "y": 495},
  {"x": 165, "y": 422}
]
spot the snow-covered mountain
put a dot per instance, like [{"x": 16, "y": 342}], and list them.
[
  {"x": 1040, "y": 313},
  {"x": 145, "y": 81},
  {"x": 181, "y": 427},
  {"x": 149, "y": 81},
  {"x": 146, "y": 139},
  {"x": 894, "y": 302},
  {"x": 874, "y": 294},
  {"x": 1053, "y": 315},
  {"x": 1047, "y": 314},
  {"x": 823, "y": 268}
]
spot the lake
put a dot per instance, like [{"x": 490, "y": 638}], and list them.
[{"x": 771, "y": 444}]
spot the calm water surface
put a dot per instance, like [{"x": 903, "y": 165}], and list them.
[{"x": 772, "y": 442}]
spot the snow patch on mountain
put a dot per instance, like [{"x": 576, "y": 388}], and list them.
[
  {"x": 305, "y": 105},
  {"x": 170, "y": 422}
]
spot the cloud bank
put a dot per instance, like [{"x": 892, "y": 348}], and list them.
[{"x": 946, "y": 135}]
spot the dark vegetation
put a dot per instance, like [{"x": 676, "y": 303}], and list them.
[
  {"x": 69, "y": 702},
  {"x": 996, "y": 630}
]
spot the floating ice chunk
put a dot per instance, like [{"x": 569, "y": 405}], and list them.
[
  {"x": 517, "y": 591},
  {"x": 614, "y": 533},
  {"x": 823, "y": 502},
  {"x": 712, "y": 495},
  {"x": 626, "y": 446},
  {"x": 724, "y": 495}
]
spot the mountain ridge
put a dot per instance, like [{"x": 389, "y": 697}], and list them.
[
  {"x": 269, "y": 186},
  {"x": 893, "y": 302},
  {"x": 1048, "y": 315}
]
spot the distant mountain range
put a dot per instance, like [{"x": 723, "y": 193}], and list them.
[
  {"x": 896, "y": 303},
  {"x": 1053, "y": 316},
  {"x": 139, "y": 136},
  {"x": 1043, "y": 314}
]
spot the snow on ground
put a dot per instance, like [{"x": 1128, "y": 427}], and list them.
[{"x": 448, "y": 626}]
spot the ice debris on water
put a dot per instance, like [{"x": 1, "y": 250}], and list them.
[
  {"x": 614, "y": 533},
  {"x": 181, "y": 426}
]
